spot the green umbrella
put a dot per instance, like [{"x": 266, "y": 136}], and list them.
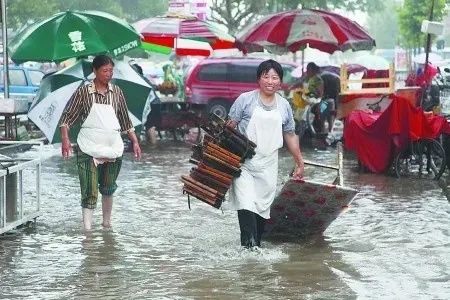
[
  {"x": 73, "y": 34},
  {"x": 56, "y": 90}
]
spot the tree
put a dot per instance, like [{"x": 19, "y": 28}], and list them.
[
  {"x": 21, "y": 12},
  {"x": 383, "y": 26},
  {"x": 349, "y": 5},
  {"x": 446, "y": 36},
  {"x": 109, "y": 6},
  {"x": 139, "y": 9},
  {"x": 236, "y": 14},
  {"x": 411, "y": 15}
]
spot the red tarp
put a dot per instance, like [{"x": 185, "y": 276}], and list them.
[{"x": 378, "y": 137}]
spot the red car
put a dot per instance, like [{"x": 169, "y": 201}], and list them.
[{"x": 213, "y": 84}]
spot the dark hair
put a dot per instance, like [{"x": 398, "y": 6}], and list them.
[
  {"x": 313, "y": 67},
  {"x": 101, "y": 60},
  {"x": 265, "y": 67},
  {"x": 138, "y": 68}
]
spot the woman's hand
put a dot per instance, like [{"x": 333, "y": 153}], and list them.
[
  {"x": 298, "y": 171},
  {"x": 137, "y": 150},
  {"x": 66, "y": 148},
  {"x": 293, "y": 145},
  {"x": 231, "y": 123}
]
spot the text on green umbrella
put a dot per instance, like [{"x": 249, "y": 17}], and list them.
[{"x": 126, "y": 47}]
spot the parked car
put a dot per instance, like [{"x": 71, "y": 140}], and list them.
[
  {"x": 213, "y": 84},
  {"x": 23, "y": 82}
]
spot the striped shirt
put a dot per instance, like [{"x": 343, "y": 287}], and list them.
[{"x": 81, "y": 102}]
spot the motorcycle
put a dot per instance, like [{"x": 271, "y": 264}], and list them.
[
  {"x": 308, "y": 112},
  {"x": 435, "y": 97},
  {"x": 441, "y": 99},
  {"x": 435, "y": 92}
]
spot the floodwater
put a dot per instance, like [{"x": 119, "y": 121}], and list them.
[{"x": 393, "y": 242}]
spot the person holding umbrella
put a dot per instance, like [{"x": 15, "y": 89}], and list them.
[
  {"x": 266, "y": 118},
  {"x": 101, "y": 108},
  {"x": 154, "y": 116}
]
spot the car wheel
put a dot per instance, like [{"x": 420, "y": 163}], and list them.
[{"x": 218, "y": 107}]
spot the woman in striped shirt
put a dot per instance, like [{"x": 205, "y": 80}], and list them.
[{"x": 101, "y": 109}]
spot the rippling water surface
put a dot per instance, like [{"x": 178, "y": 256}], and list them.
[{"x": 393, "y": 243}]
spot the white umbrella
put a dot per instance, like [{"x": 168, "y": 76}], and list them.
[
  {"x": 433, "y": 58},
  {"x": 56, "y": 90},
  {"x": 371, "y": 62},
  {"x": 47, "y": 113},
  {"x": 186, "y": 45}
]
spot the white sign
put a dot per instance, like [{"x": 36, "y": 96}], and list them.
[
  {"x": 179, "y": 7},
  {"x": 197, "y": 8},
  {"x": 77, "y": 41}
]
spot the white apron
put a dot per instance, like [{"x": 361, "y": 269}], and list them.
[
  {"x": 99, "y": 136},
  {"x": 255, "y": 188}
]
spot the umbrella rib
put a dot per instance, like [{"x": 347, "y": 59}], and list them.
[{"x": 55, "y": 35}]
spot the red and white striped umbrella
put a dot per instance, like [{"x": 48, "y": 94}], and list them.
[
  {"x": 165, "y": 30},
  {"x": 290, "y": 31}
]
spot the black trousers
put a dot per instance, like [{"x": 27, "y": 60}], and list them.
[{"x": 252, "y": 228}]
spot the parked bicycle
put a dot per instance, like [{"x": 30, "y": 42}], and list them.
[{"x": 422, "y": 158}]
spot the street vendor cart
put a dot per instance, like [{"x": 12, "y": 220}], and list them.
[
  {"x": 388, "y": 128},
  {"x": 172, "y": 113}
]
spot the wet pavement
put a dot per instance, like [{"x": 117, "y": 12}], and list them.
[{"x": 393, "y": 242}]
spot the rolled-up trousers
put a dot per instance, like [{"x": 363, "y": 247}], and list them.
[{"x": 252, "y": 228}]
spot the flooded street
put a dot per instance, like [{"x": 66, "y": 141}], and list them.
[{"x": 393, "y": 242}]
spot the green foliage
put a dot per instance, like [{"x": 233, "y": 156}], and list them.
[
  {"x": 109, "y": 6},
  {"x": 237, "y": 14},
  {"x": 19, "y": 12},
  {"x": 139, "y": 9},
  {"x": 349, "y": 5},
  {"x": 411, "y": 15},
  {"x": 446, "y": 31},
  {"x": 383, "y": 26}
]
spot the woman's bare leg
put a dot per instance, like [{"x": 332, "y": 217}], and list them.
[
  {"x": 87, "y": 218},
  {"x": 107, "y": 202}
]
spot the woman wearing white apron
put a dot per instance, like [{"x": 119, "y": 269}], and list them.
[
  {"x": 102, "y": 110},
  {"x": 265, "y": 118}
]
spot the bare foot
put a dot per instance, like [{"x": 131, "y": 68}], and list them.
[{"x": 106, "y": 225}]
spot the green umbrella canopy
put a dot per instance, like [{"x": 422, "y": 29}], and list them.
[
  {"x": 73, "y": 34},
  {"x": 137, "y": 91},
  {"x": 56, "y": 90}
]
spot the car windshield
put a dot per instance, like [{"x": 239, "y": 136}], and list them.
[{"x": 36, "y": 77}]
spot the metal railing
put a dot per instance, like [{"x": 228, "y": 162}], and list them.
[{"x": 20, "y": 189}]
